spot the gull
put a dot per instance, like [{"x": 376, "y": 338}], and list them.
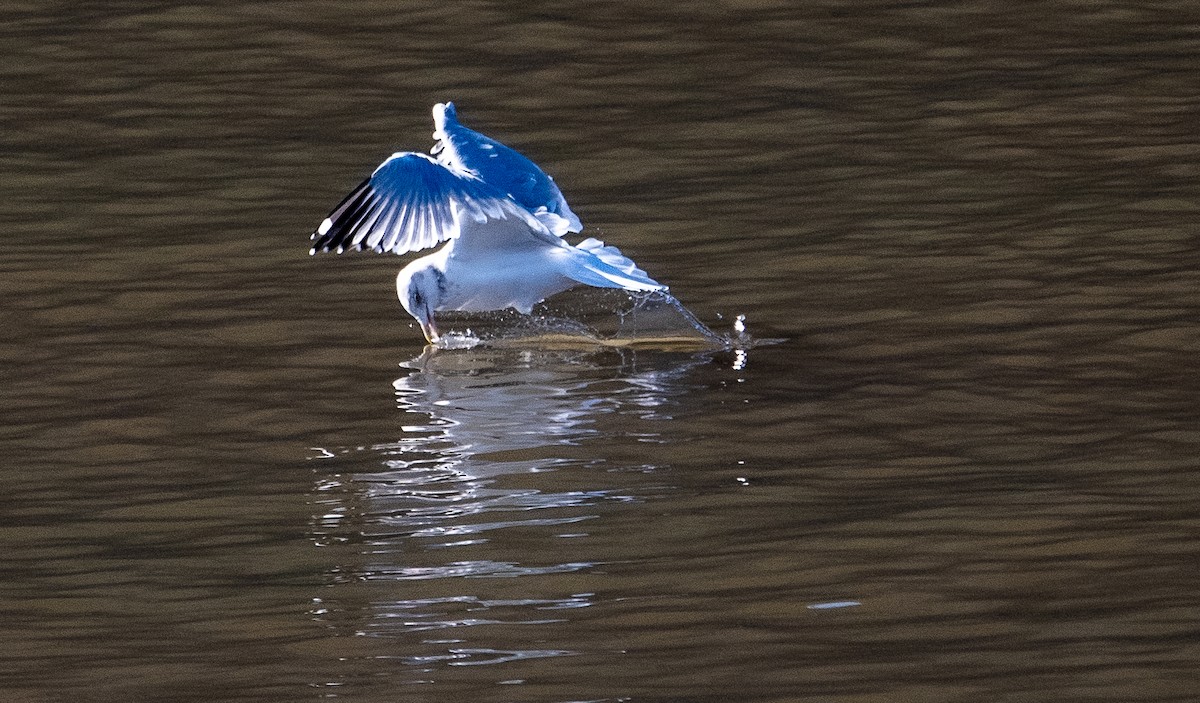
[{"x": 502, "y": 218}]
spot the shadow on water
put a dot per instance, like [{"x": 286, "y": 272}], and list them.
[{"x": 474, "y": 536}]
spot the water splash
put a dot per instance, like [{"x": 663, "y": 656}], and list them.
[{"x": 593, "y": 317}]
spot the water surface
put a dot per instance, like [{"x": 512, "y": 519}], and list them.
[{"x": 968, "y": 474}]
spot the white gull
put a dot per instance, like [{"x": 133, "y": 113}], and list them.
[{"x": 503, "y": 219}]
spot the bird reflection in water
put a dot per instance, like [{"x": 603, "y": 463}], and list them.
[{"x": 469, "y": 540}]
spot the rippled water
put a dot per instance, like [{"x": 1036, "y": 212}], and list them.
[{"x": 969, "y": 473}]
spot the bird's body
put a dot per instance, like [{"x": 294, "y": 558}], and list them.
[
  {"x": 518, "y": 275},
  {"x": 503, "y": 217}
]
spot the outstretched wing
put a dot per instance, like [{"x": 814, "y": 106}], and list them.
[
  {"x": 413, "y": 202},
  {"x": 503, "y": 168}
]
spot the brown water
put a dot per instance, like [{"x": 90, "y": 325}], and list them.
[{"x": 227, "y": 479}]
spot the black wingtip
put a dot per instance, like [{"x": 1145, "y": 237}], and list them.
[{"x": 339, "y": 226}]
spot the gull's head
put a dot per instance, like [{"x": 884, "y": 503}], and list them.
[{"x": 420, "y": 287}]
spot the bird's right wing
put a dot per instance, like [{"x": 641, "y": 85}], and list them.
[{"x": 412, "y": 202}]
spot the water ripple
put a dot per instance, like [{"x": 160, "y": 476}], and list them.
[
  {"x": 977, "y": 221},
  {"x": 493, "y": 460}
]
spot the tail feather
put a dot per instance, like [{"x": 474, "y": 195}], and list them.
[{"x": 606, "y": 267}]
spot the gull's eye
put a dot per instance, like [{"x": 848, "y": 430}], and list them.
[{"x": 417, "y": 297}]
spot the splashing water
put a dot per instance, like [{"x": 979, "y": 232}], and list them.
[{"x": 591, "y": 317}]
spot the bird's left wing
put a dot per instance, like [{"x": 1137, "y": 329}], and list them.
[
  {"x": 503, "y": 167},
  {"x": 413, "y": 202}
]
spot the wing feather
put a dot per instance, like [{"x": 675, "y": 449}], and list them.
[
  {"x": 369, "y": 225},
  {"x": 504, "y": 168},
  {"x": 389, "y": 235},
  {"x": 362, "y": 216},
  {"x": 413, "y": 202}
]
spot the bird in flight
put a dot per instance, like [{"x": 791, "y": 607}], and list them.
[{"x": 502, "y": 218}]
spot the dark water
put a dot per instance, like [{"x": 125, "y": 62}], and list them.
[{"x": 226, "y": 479}]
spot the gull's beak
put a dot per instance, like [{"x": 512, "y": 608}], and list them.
[{"x": 429, "y": 327}]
